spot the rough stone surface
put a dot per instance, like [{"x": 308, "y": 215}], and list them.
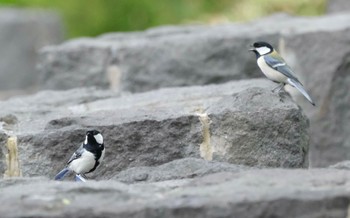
[
  {"x": 344, "y": 165},
  {"x": 30, "y": 115},
  {"x": 146, "y": 62},
  {"x": 240, "y": 122},
  {"x": 330, "y": 125},
  {"x": 336, "y": 6},
  {"x": 316, "y": 48},
  {"x": 325, "y": 76},
  {"x": 173, "y": 56},
  {"x": 275, "y": 193},
  {"x": 3, "y": 152},
  {"x": 177, "y": 169},
  {"x": 22, "y": 33}
]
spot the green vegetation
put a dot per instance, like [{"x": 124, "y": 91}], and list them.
[{"x": 94, "y": 17}]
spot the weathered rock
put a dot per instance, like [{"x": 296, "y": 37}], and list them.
[
  {"x": 239, "y": 122},
  {"x": 3, "y": 139},
  {"x": 30, "y": 115},
  {"x": 327, "y": 81},
  {"x": 330, "y": 125},
  {"x": 144, "y": 63},
  {"x": 174, "y": 56},
  {"x": 344, "y": 165},
  {"x": 22, "y": 33},
  {"x": 336, "y": 6},
  {"x": 177, "y": 169},
  {"x": 178, "y": 56},
  {"x": 255, "y": 193}
]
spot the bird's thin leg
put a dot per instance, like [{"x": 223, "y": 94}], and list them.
[
  {"x": 279, "y": 87},
  {"x": 80, "y": 178}
]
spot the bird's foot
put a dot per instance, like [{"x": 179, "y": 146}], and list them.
[
  {"x": 278, "y": 88},
  {"x": 80, "y": 178}
]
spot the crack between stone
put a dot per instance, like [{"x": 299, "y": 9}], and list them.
[
  {"x": 206, "y": 149},
  {"x": 12, "y": 159}
]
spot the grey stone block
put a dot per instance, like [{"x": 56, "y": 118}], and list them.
[
  {"x": 240, "y": 122},
  {"x": 336, "y": 6},
  {"x": 278, "y": 193},
  {"x": 316, "y": 48},
  {"x": 22, "y": 33},
  {"x": 177, "y": 169}
]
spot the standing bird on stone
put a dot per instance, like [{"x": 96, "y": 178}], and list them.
[
  {"x": 86, "y": 159},
  {"x": 276, "y": 69}
]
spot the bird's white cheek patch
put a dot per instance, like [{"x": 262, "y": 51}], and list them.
[
  {"x": 86, "y": 140},
  {"x": 263, "y": 50},
  {"x": 99, "y": 138}
]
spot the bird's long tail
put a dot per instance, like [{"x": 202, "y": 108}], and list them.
[
  {"x": 61, "y": 174},
  {"x": 301, "y": 89}
]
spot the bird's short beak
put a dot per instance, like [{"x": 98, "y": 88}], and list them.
[{"x": 251, "y": 48}]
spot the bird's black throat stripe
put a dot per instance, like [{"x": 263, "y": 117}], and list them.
[
  {"x": 95, "y": 149},
  {"x": 256, "y": 53}
]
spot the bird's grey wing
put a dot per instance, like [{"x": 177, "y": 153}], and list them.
[
  {"x": 76, "y": 154},
  {"x": 277, "y": 63}
]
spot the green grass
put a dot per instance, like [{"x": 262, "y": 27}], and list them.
[
  {"x": 250, "y": 9},
  {"x": 94, "y": 17}
]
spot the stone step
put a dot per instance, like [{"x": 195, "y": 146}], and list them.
[
  {"x": 315, "y": 47},
  {"x": 239, "y": 122},
  {"x": 279, "y": 193}
]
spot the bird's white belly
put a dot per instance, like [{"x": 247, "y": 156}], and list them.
[
  {"x": 83, "y": 164},
  {"x": 270, "y": 73}
]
